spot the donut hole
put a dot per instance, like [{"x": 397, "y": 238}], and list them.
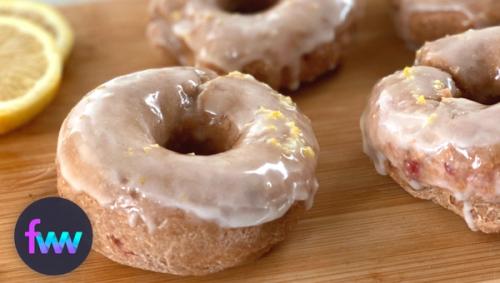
[
  {"x": 246, "y": 7},
  {"x": 205, "y": 135}
]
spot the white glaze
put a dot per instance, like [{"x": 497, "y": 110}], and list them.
[
  {"x": 395, "y": 118},
  {"x": 418, "y": 121},
  {"x": 477, "y": 13},
  {"x": 278, "y": 37},
  {"x": 108, "y": 148},
  {"x": 469, "y": 219}
]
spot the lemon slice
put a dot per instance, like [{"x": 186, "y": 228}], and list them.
[
  {"x": 45, "y": 16},
  {"x": 30, "y": 71}
]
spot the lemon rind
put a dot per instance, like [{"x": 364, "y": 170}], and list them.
[
  {"x": 65, "y": 39},
  {"x": 15, "y": 112}
]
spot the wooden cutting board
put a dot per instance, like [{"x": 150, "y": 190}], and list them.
[{"x": 363, "y": 227}]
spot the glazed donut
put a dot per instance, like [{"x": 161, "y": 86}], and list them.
[
  {"x": 419, "y": 21},
  {"x": 425, "y": 127},
  {"x": 184, "y": 172},
  {"x": 280, "y": 42}
]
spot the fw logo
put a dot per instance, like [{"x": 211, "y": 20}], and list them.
[
  {"x": 53, "y": 236},
  {"x": 51, "y": 240}
]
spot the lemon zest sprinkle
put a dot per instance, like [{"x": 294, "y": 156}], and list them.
[
  {"x": 271, "y": 114},
  {"x": 271, "y": 127},
  {"x": 421, "y": 100},
  {"x": 275, "y": 115},
  {"x": 438, "y": 85},
  {"x": 407, "y": 72},
  {"x": 287, "y": 100},
  {"x": 431, "y": 119},
  {"x": 307, "y": 151},
  {"x": 294, "y": 130},
  {"x": 273, "y": 141}
]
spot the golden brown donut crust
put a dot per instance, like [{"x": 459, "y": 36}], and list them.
[
  {"x": 186, "y": 245},
  {"x": 485, "y": 216}
]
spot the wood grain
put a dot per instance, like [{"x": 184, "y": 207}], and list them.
[{"x": 363, "y": 227}]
